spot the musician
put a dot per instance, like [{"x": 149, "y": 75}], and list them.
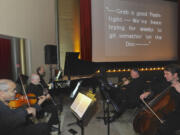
[
  {"x": 172, "y": 121},
  {"x": 128, "y": 95},
  {"x": 48, "y": 106},
  {"x": 14, "y": 121},
  {"x": 156, "y": 86},
  {"x": 41, "y": 72}
]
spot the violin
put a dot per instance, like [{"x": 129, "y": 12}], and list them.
[{"x": 21, "y": 100}]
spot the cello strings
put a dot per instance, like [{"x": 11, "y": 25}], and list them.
[
  {"x": 153, "y": 112},
  {"x": 157, "y": 98}
]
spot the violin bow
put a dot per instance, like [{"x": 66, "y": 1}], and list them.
[
  {"x": 152, "y": 111},
  {"x": 25, "y": 93}
]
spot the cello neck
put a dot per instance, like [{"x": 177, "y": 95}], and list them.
[{"x": 157, "y": 98}]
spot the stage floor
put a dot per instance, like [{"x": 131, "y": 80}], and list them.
[{"x": 122, "y": 126}]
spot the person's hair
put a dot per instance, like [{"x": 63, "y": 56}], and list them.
[
  {"x": 4, "y": 84},
  {"x": 34, "y": 77},
  {"x": 173, "y": 68},
  {"x": 136, "y": 70},
  {"x": 38, "y": 69}
]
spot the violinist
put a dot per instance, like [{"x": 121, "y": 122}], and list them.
[
  {"x": 48, "y": 106},
  {"x": 41, "y": 72},
  {"x": 172, "y": 120},
  {"x": 14, "y": 121},
  {"x": 128, "y": 95}
]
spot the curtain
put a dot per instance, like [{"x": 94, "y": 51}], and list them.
[
  {"x": 85, "y": 26},
  {"x": 5, "y": 59}
]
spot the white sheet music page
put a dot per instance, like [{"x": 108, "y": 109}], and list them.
[{"x": 81, "y": 104}]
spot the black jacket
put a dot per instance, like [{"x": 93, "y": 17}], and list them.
[
  {"x": 42, "y": 81},
  {"x": 35, "y": 89},
  {"x": 11, "y": 119},
  {"x": 134, "y": 89}
]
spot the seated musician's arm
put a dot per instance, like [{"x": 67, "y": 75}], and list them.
[
  {"x": 145, "y": 95},
  {"x": 41, "y": 99},
  {"x": 13, "y": 117},
  {"x": 155, "y": 90},
  {"x": 147, "y": 92}
]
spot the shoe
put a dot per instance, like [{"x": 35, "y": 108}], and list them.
[
  {"x": 55, "y": 125},
  {"x": 72, "y": 131},
  {"x": 54, "y": 128}
]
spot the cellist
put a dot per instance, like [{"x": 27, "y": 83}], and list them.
[
  {"x": 13, "y": 121},
  {"x": 172, "y": 120}
]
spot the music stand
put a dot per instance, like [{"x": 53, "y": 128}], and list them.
[
  {"x": 106, "y": 102},
  {"x": 80, "y": 107}
]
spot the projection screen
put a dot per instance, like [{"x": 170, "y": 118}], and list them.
[{"x": 134, "y": 30}]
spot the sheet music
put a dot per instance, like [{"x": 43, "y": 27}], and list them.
[{"x": 81, "y": 104}]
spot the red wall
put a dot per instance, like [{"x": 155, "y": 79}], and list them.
[{"x": 5, "y": 59}]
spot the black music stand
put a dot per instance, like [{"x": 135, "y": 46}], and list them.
[
  {"x": 107, "y": 100},
  {"x": 81, "y": 108}
]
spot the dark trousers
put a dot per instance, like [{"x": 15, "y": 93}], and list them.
[
  {"x": 123, "y": 101},
  {"x": 171, "y": 124},
  {"x": 49, "y": 107},
  {"x": 32, "y": 129}
]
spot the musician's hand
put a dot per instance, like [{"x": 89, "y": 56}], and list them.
[
  {"x": 41, "y": 99},
  {"x": 126, "y": 82},
  {"x": 144, "y": 95},
  {"x": 45, "y": 91},
  {"x": 31, "y": 110},
  {"x": 176, "y": 86},
  {"x": 124, "y": 79},
  {"x": 48, "y": 96}
]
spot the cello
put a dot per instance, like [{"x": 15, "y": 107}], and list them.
[{"x": 151, "y": 116}]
